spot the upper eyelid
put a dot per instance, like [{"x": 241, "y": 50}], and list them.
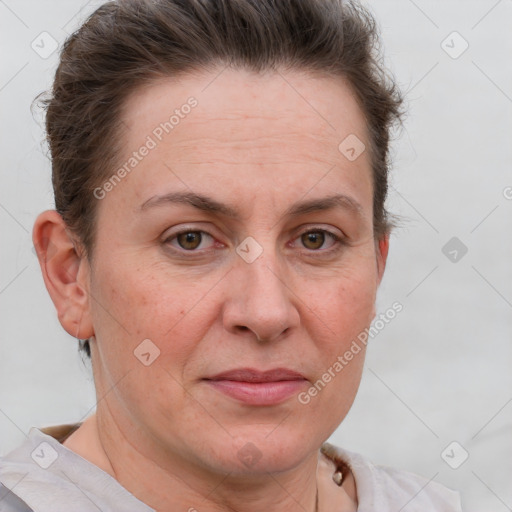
[
  {"x": 172, "y": 236},
  {"x": 297, "y": 232},
  {"x": 323, "y": 230}
]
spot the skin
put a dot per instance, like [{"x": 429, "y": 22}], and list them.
[{"x": 258, "y": 143}]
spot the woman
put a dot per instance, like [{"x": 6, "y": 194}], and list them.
[{"x": 220, "y": 171}]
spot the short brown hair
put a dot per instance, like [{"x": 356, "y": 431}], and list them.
[{"x": 127, "y": 43}]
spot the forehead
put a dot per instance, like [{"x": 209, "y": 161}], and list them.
[
  {"x": 283, "y": 126},
  {"x": 295, "y": 102}
]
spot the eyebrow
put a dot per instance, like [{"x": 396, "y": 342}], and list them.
[{"x": 209, "y": 205}]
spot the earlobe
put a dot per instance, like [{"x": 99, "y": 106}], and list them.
[{"x": 65, "y": 273}]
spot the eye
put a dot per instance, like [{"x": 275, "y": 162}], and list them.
[
  {"x": 319, "y": 239},
  {"x": 191, "y": 240}
]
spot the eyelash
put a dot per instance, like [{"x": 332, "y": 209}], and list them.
[{"x": 338, "y": 240}]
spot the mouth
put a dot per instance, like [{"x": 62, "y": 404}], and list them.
[{"x": 256, "y": 387}]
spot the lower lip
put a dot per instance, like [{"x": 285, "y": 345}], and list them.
[{"x": 259, "y": 393}]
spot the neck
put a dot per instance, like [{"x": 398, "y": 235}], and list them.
[{"x": 174, "y": 483}]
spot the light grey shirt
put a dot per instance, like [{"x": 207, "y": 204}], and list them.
[{"x": 42, "y": 475}]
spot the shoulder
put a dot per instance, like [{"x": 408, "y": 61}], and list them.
[
  {"x": 388, "y": 489},
  {"x": 42, "y": 475}
]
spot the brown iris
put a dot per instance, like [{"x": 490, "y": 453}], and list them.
[
  {"x": 189, "y": 240},
  {"x": 313, "y": 239}
]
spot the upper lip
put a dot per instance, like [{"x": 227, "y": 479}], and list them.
[{"x": 252, "y": 375}]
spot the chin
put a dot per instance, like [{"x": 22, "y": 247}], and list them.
[{"x": 261, "y": 451}]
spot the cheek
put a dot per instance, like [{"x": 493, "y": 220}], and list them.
[
  {"x": 344, "y": 304},
  {"x": 133, "y": 306},
  {"x": 345, "y": 311}
]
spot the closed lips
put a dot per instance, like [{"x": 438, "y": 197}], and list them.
[{"x": 255, "y": 376}]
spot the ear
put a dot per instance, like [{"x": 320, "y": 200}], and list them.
[
  {"x": 381, "y": 251},
  {"x": 65, "y": 273},
  {"x": 382, "y": 248}
]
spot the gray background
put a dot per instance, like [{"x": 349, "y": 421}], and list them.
[{"x": 441, "y": 370}]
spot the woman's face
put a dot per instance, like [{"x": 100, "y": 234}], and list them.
[{"x": 241, "y": 238}]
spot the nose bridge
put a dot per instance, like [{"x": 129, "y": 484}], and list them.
[
  {"x": 262, "y": 300},
  {"x": 265, "y": 283}
]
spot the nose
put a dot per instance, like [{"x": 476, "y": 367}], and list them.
[{"x": 261, "y": 301}]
